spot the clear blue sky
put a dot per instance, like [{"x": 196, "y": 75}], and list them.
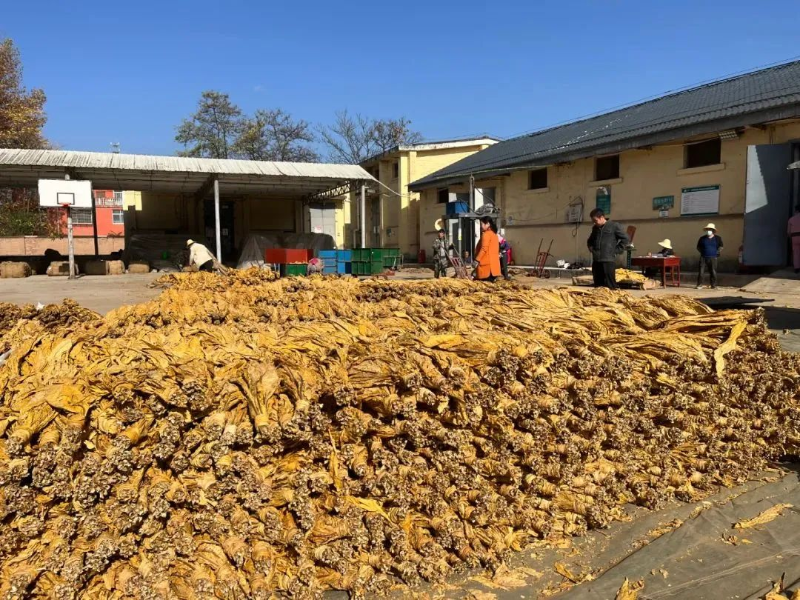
[{"x": 130, "y": 71}]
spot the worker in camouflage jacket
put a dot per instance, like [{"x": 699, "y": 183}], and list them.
[{"x": 441, "y": 254}]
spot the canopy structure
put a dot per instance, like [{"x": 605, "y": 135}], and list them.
[{"x": 196, "y": 177}]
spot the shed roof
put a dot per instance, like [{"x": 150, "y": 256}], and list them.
[
  {"x": 175, "y": 173},
  {"x": 755, "y": 97}
]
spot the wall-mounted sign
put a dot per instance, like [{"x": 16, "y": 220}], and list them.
[
  {"x": 602, "y": 200},
  {"x": 663, "y": 202},
  {"x": 663, "y": 214},
  {"x": 700, "y": 200}
]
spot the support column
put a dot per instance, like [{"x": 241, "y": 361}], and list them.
[
  {"x": 363, "y": 215},
  {"x": 94, "y": 225},
  {"x": 216, "y": 220}
]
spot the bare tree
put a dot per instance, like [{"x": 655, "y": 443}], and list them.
[
  {"x": 274, "y": 135},
  {"x": 354, "y": 138},
  {"x": 211, "y": 131},
  {"x": 388, "y": 133}
]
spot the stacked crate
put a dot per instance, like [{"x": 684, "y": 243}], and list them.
[
  {"x": 336, "y": 261},
  {"x": 292, "y": 261},
  {"x": 372, "y": 261}
]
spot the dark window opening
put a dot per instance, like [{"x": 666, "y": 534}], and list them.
[
  {"x": 442, "y": 196},
  {"x": 537, "y": 179},
  {"x": 606, "y": 167},
  {"x": 703, "y": 154},
  {"x": 395, "y": 170}
]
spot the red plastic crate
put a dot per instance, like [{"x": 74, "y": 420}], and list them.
[
  {"x": 297, "y": 255},
  {"x": 275, "y": 256},
  {"x": 288, "y": 256}
]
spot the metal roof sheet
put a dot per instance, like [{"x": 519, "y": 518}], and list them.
[
  {"x": 175, "y": 173},
  {"x": 180, "y": 164},
  {"x": 726, "y": 100}
]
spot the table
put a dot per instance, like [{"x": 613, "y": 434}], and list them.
[{"x": 672, "y": 263}]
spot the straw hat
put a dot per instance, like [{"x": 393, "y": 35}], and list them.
[
  {"x": 189, "y": 242},
  {"x": 710, "y": 226},
  {"x": 665, "y": 243}
]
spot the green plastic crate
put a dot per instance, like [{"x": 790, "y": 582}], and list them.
[
  {"x": 392, "y": 252},
  {"x": 294, "y": 270},
  {"x": 376, "y": 266}
]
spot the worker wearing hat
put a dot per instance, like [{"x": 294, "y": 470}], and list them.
[
  {"x": 666, "y": 249},
  {"x": 441, "y": 253},
  {"x": 709, "y": 246},
  {"x": 200, "y": 256}
]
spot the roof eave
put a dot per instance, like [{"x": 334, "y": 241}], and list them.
[{"x": 631, "y": 143}]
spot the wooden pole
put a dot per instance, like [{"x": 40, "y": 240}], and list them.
[{"x": 216, "y": 220}]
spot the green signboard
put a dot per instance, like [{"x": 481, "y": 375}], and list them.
[
  {"x": 663, "y": 202},
  {"x": 603, "y": 202}
]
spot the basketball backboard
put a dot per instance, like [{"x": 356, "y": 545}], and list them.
[{"x": 65, "y": 192}]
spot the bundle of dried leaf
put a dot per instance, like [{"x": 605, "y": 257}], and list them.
[{"x": 239, "y": 438}]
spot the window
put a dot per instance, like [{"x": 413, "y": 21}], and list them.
[
  {"x": 606, "y": 167},
  {"x": 117, "y": 198},
  {"x": 118, "y": 217},
  {"x": 442, "y": 196},
  {"x": 703, "y": 154},
  {"x": 81, "y": 216},
  {"x": 395, "y": 170},
  {"x": 537, "y": 179}
]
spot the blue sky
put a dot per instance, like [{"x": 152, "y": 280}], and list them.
[{"x": 129, "y": 72}]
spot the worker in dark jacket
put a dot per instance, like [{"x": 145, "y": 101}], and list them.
[
  {"x": 606, "y": 241},
  {"x": 709, "y": 246}
]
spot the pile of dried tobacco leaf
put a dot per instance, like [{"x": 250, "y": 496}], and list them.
[{"x": 238, "y": 438}]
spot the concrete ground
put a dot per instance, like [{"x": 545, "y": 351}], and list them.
[{"x": 98, "y": 293}]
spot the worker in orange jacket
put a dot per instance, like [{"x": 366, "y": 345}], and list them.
[{"x": 487, "y": 254}]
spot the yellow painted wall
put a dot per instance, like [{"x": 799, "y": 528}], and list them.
[
  {"x": 530, "y": 216},
  {"x": 401, "y": 221},
  {"x": 160, "y": 212}
]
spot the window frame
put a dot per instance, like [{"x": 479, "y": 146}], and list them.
[
  {"x": 689, "y": 149},
  {"x": 606, "y": 176},
  {"x": 439, "y": 192},
  {"x": 396, "y": 170},
  {"x": 117, "y": 212},
  {"x": 74, "y": 212},
  {"x": 531, "y": 177}
]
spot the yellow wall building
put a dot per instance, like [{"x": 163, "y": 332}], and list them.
[
  {"x": 393, "y": 217},
  {"x": 638, "y": 161}
]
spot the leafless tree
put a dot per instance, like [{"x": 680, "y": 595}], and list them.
[
  {"x": 274, "y": 135},
  {"x": 354, "y": 138}
]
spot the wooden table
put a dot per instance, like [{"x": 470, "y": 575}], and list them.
[{"x": 673, "y": 263}]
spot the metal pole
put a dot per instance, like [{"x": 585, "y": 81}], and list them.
[
  {"x": 216, "y": 220},
  {"x": 363, "y": 215},
  {"x": 70, "y": 244},
  {"x": 94, "y": 225}
]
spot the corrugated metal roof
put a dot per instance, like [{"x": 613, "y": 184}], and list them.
[
  {"x": 726, "y": 101},
  {"x": 178, "y": 164},
  {"x": 175, "y": 174}
]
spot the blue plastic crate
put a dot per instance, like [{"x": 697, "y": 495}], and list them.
[
  {"x": 344, "y": 255},
  {"x": 327, "y": 254},
  {"x": 329, "y": 270},
  {"x": 344, "y": 268}
]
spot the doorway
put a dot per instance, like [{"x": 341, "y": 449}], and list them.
[
  {"x": 770, "y": 195},
  {"x": 226, "y": 221},
  {"x": 375, "y": 222}
]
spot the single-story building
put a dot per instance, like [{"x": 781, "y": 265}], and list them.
[
  {"x": 717, "y": 152},
  {"x": 173, "y": 198},
  {"x": 392, "y": 216}
]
